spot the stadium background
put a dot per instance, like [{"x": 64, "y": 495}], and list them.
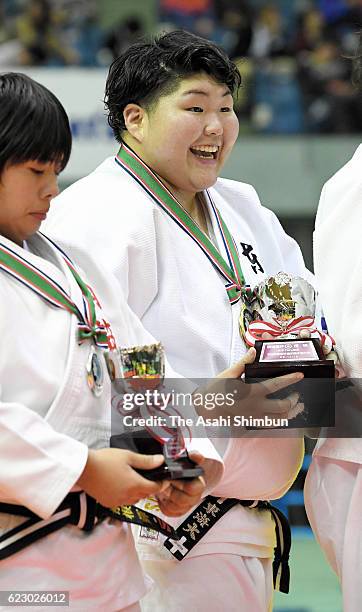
[{"x": 300, "y": 121}]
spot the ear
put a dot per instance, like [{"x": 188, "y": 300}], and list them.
[{"x": 134, "y": 119}]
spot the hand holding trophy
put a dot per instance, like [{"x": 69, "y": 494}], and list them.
[
  {"x": 278, "y": 318},
  {"x": 140, "y": 371}
]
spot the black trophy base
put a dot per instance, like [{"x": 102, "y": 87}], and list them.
[
  {"x": 317, "y": 388},
  {"x": 140, "y": 441}
]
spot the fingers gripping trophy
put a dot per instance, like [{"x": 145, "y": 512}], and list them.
[
  {"x": 138, "y": 373},
  {"x": 278, "y": 317}
]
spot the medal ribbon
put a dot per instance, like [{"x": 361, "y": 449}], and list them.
[
  {"x": 49, "y": 290},
  {"x": 264, "y": 330},
  {"x": 148, "y": 180}
]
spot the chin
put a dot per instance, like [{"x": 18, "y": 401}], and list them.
[{"x": 207, "y": 184}]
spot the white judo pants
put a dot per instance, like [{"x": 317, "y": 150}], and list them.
[
  {"x": 210, "y": 583},
  {"x": 333, "y": 501}
]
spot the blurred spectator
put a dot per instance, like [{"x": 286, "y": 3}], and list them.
[
  {"x": 331, "y": 103},
  {"x": 277, "y": 103},
  {"x": 342, "y": 21},
  {"x": 197, "y": 16},
  {"x": 37, "y": 31},
  {"x": 123, "y": 35},
  {"x": 81, "y": 33},
  {"x": 269, "y": 37},
  {"x": 9, "y": 46},
  {"x": 310, "y": 30},
  {"x": 235, "y": 18}
]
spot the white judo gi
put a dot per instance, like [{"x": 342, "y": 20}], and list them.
[
  {"x": 181, "y": 299},
  {"x": 333, "y": 489},
  {"x": 48, "y": 419}
]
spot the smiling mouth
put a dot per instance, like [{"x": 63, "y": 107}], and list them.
[{"x": 205, "y": 151}]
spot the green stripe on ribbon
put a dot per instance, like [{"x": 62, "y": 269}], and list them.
[
  {"x": 154, "y": 186},
  {"x": 32, "y": 278}
]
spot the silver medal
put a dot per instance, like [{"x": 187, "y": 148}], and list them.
[{"x": 95, "y": 376}]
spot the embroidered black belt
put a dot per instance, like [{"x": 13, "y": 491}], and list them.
[
  {"x": 211, "y": 510},
  {"x": 77, "y": 509},
  {"x": 85, "y": 512}
]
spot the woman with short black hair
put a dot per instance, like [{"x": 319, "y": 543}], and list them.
[{"x": 58, "y": 477}]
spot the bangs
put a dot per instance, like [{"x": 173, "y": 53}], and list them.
[
  {"x": 51, "y": 142},
  {"x": 33, "y": 124}
]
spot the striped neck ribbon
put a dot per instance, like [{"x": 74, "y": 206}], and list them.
[
  {"x": 162, "y": 196},
  {"x": 49, "y": 290}
]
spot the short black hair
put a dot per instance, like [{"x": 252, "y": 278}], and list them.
[
  {"x": 33, "y": 123},
  {"x": 149, "y": 69}
]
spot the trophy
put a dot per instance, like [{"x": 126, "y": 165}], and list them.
[
  {"x": 140, "y": 370},
  {"x": 278, "y": 318}
]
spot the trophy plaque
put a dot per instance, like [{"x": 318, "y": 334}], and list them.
[
  {"x": 141, "y": 369},
  {"x": 274, "y": 317}
]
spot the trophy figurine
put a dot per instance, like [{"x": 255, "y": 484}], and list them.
[
  {"x": 141, "y": 370},
  {"x": 278, "y": 318}
]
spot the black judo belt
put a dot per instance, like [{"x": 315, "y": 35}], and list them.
[
  {"x": 77, "y": 509},
  {"x": 204, "y": 517},
  {"x": 85, "y": 512}
]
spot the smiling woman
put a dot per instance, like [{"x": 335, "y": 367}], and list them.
[
  {"x": 186, "y": 102},
  {"x": 198, "y": 121},
  {"x": 180, "y": 243}
]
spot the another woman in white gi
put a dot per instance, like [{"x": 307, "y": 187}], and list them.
[
  {"x": 54, "y": 392},
  {"x": 333, "y": 489},
  {"x": 181, "y": 244}
]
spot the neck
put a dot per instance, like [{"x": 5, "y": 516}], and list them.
[
  {"x": 190, "y": 201},
  {"x": 12, "y": 238}
]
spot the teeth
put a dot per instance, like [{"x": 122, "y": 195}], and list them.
[{"x": 206, "y": 148}]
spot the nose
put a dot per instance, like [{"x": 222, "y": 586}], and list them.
[
  {"x": 51, "y": 188},
  {"x": 214, "y": 125}
]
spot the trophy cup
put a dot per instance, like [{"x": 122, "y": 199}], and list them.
[
  {"x": 273, "y": 318},
  {"x": 141, "y": 370}
]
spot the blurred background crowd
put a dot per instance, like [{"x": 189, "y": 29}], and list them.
[{"x": 293, "y": 54}]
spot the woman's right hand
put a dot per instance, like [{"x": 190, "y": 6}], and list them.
[
  {"x": 251, "y": 400},
  {"x": 110, "y": 477}
]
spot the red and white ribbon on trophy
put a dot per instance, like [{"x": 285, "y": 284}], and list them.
[
  {"x": 264, "y": 330},
  {"x": 170, "y": 436}
]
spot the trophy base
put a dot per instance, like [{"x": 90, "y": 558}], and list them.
[
  {"x": 316, "y": 390},
  {"x": 140, "y": 441}
]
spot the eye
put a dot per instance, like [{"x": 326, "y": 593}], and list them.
[
  {"x": 226, "y": 109},
  {"x": 195, "y": 109},
  {"x": 36, "y": 171}
]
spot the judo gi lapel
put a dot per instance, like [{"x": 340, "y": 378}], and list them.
[
  {"x": 229, "y": 266},
  {"x": 43, "y": 278},
  {"x": 41, "y": 245},
  {"x": 37, "y": 257}
]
